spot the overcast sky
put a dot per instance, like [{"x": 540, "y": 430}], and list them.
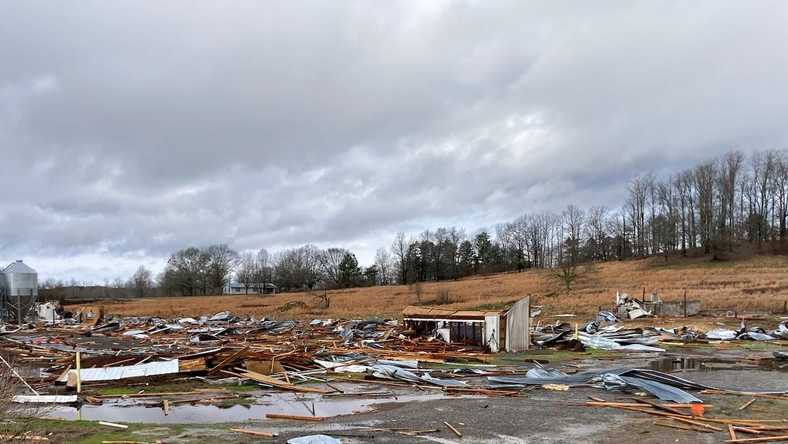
[{"x": 131, "y": 129}]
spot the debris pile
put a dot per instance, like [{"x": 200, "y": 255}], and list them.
[{"x": 76, "y": 356}]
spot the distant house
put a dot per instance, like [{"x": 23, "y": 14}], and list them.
[{"x": 251, "y": 288}]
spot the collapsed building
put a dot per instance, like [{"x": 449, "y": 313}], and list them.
[{"x": 507, "y": 330}]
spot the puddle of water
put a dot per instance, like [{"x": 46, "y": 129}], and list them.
[
  {"x": 284, "y": 403},
  {"x": 673, "y": 364},
  {"x": 678, "y": 364}
]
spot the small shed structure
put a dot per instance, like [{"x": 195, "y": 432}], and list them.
[{"x": 494, "y": 330}]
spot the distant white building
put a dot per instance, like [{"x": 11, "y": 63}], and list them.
[
  {"x": 18, "y": 279},
  {"x": 251, "y": 288}
]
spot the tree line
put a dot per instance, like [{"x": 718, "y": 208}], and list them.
[{"x": 707, "y": 208}]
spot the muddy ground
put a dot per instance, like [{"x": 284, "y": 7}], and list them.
[{"x": 536, "y": 416}]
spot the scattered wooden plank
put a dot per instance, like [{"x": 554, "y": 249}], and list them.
[
  {"x": 681, "y": 427},
  {"x": 251, "y": 432},
  {"x": 749, "y": 430},
  {"x": 659, "y": 406},
  {"x": 762, "y": 439},
  {"x": 732, "y": 432},
  {"x": 295, "y": 417},
  {"x": 451, "y": 427},
  {"x": 226, "y": 361},
  {"x": 747, "y": 404},
  {"x": 679, "y": 418},
  {"x": 281, "y": 384},
  {"x": 638, "y": 405}
]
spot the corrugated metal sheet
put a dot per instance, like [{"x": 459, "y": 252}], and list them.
[
  {"x": 412, "y": 311},
  {"x": 18, "y": 267},
  {"x": 124, "y": 372},
  {"x": 518, "y": 319}
]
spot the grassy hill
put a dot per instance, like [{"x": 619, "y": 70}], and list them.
[{"x": 752, "y": 284}]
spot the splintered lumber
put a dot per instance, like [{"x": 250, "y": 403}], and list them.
[
  {"x": 679, "y": 418},
  {"x": 761, "y": 439},
  {"x": 251, "y": 432},
  {"x": 226, "y": 361},
  {"x": 165, "y": 405},
  {"x": 748, "y": 430},
  {"x": 634, "y": 404},
  {"x": 451, "y": 427},
  {"x": 281, "y": 384},
  {"x": 267, "y": 367},
  {"x": 295, "y": 417},
  {"x": 732, "y": 432},
  {"x": 191, "y": 365},
  {"x": 660, "y": 406},
  {"x": 747, "y": 404},
  {"x": 681, "y": 427}
]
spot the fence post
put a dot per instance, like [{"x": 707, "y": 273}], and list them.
[{"x": 79, "y": 373}]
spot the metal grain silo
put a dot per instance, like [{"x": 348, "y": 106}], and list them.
[{"x": 20, "y": 280}]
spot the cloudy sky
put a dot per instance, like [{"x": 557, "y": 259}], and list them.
[{"x": 131, "y": 129}]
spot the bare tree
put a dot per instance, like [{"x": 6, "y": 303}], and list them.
[
  {"x": 329, "y": 261},
  {"x": 573, "y": 219},
  {"x": 384, "y": 263},
  {"x": 247, "y": 272},
  {"x": 142, "y": 280},
  {"x": 399, "y": 248}
]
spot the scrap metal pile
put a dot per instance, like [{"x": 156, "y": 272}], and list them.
[
  {"x": 606, "y": 333},
  {"x": 93, "y": 351},
  {"x": 276, "y": 354}
]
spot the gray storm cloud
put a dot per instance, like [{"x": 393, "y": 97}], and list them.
[{"x": 129, "y": 129}]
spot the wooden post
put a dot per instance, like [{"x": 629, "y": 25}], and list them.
[
  {"x": 18, "y": 309},
  {"x": 79, "y": 376},
  {"x": 685, "y": 303},
  {"x": 643, "y": 298}
]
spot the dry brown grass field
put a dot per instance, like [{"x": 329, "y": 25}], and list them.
[{"x": 754, "y": 284}]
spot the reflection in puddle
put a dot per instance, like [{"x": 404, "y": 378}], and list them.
[
  {"x": 672, "y": 364},
  {"x": 676, "y": 364},
  {"x": 284, "y": 403}
]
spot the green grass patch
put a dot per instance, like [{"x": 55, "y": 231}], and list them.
[{"x": 83, "y": 432}]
